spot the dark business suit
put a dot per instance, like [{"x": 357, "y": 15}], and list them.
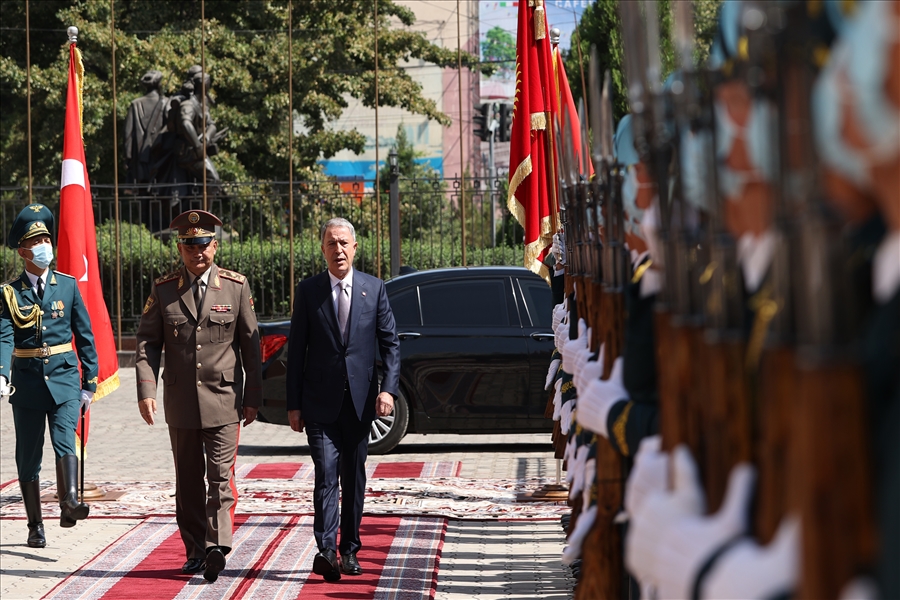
[{"x": 334, "y": 385}]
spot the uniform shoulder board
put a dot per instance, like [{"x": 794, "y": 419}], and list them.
[
  {"x": 168, "y": 277},
  {"x": 64, "y": 274},
  {"x": 232, "y": 275}
]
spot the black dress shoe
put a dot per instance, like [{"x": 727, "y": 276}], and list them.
[
  {"x": 326, "y": 564},
  {"x": 349, "y": 564},
  {"x": 215, "y": 564},
  {"x": 193, "y": 565}
]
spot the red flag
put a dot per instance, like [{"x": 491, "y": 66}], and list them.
[
  {"x": 77, "y": 243},
  {"x": 532, "y": 179},
  {"x": 569, "y": 123}
]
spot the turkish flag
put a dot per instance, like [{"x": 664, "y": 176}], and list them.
[
  {"x": 77, "y": 242},
  {"x": 532, "y": 170}
]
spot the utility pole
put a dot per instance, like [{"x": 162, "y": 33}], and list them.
[{"x": 492, "y": 174}]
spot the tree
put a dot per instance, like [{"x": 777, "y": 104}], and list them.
[
  {"x": 246, "y": 54},
  {"x": 499, "y": 45},
  {"x": 600, "y": 26}
]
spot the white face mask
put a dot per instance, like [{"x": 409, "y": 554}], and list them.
[{"x": 42, "y": 255}]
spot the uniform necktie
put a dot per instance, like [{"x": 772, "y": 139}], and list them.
[
  {"x": 343, "y": 309},
  {"x": 40, "y": 288},
  {"x": 198, "y": 293}
]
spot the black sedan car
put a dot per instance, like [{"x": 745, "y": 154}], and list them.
[{"x": 475, "y": 344}]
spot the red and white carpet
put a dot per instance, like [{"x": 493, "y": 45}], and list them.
[{"x": 272, "y": 558}]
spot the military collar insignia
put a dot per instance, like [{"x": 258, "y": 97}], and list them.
[
  {"x": 181, "y": 282},
  {"x": 53, "y": 279}
]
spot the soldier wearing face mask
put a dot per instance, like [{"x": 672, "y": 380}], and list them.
[{"x": 41, "y": 311}]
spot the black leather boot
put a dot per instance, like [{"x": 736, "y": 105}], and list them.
[
  {"x": 71, "y": 510},
  {"x": 31, "y": 498}
]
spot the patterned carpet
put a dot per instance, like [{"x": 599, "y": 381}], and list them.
[
  {"x": 272, "y": 558},
  {"x": 420, "y": 489}
]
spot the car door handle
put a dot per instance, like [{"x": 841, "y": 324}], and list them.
[
  {"x": 408, "y": 334},
  {"x": 542, "y": 336}
]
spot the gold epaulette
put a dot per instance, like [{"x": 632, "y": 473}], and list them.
[
  {"x": 232, "y": 275},
  {"x": 168, "y": 277}
]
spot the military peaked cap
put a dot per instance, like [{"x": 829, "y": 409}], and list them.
[
  {"x": 196, "y": 227},
  {"x": 35, "y": 219}
]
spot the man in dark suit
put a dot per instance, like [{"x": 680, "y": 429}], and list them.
[
  {"x": 45, "y": 325},
  {"x": 339, "y": 317},
  {"x": 204, "y": 319}
]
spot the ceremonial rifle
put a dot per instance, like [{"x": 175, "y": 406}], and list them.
[
  {"x": 603, "y": 573},
  {"x": 833, "y": 467}
]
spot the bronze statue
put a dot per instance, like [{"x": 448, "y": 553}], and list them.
[
  {"x": 178, "y": 163},
  {"x": 145, "y": 121},
  {"x": 193, "y": 125}
]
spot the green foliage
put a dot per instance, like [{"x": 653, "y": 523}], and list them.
[
  {"x": 499, "y": 45},
  {"x": 600, "y": 26},
  {"x": 265, "y": 262},
  {"x": 246, "y": 53}
]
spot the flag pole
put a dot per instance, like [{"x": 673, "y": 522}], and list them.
[
  {"x": 203, "y": 98},
  {"x": 28, "y": 95},
  {"x": 112, "y": 37},
  {"x": 462, "y": 166},
  {"x": 291, "y": 150},
  {"x": 377, "y": 170}
]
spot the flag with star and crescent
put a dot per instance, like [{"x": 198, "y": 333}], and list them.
[{"x": 77, "y": 243}]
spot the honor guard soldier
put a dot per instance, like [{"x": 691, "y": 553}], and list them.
[
  {"x": 203, "y": 317},
  {"x": 41, "y": 312}
]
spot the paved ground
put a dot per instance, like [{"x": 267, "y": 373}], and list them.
[{"x": 485, "y": 560}]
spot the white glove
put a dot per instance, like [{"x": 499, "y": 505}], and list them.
[
  {"x": 572, "y": 347},
  {"x": 860, "y": 588},
  {"x": 558, "y": 248},
  {"x": 565, "y": 416},
  {"x": 587, "y": 370},
  {"x": 560, "y": 337},
  {"x": 598, "y": 399},
  {"x": 578, "y": 468},
  {"x": 656, "y": 512},
  {"x": 687, "y": 541},
  {"x": 86, "y": 399},
  {"x": 582, "y": 358},
  {"x": 590, "y": 475},
  {"x": 583, "y": 526},
  {"x": 748, "y": 570},
  {"x": 649, "y": 475},
  {"x": 559, "y": 312},
  {"x": 557, "y": 399},
  {"x": 551, "y": 373},
  {"x": 6, "y": 390}
]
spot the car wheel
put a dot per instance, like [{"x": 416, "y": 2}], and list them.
[{"x": 386, "y": 432}]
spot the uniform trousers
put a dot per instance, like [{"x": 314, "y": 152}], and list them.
[
  {"x": 205, "y": 514},
  {"x": 339, "y": 450},
  {"x": 29, "y": 423}
]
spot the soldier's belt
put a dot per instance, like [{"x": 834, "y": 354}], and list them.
[{"x": 42, "y": 352}]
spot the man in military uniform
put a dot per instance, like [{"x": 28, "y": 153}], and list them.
[
  {"x": 203, "y": 317},
  {"x": 40, "y": 312}
]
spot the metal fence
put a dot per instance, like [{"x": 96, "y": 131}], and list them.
[{"x": 255, "y": 238}]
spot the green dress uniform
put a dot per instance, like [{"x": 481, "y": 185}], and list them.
[{"x": 39, "y": 360}]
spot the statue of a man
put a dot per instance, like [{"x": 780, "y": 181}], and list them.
[
  {"x": 193, "y": 125},
  {"x": 145, "y": 121}
]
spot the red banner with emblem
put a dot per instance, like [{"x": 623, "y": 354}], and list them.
[
  {"x": 532, "y": 195},
  {"x": 77, "y": 240}
]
